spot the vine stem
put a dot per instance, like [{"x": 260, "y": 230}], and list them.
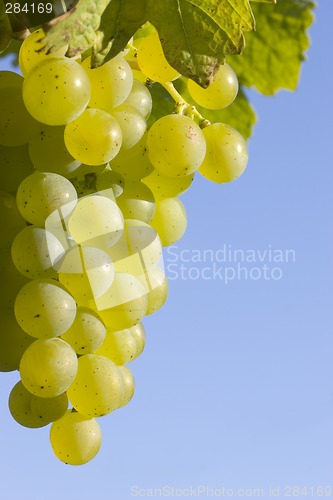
[{"x": 184, "y": 107}]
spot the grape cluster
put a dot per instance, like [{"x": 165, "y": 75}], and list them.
[{"x": 89, "y": 196}]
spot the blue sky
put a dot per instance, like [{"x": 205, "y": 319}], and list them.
[{"x": 235, "y": 386}]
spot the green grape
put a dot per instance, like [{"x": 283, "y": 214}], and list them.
[
  {"x": 156, "y": 285},
  {"x": 11, "y": 221},
  {"x": 111, "y": 83},
  {"x": 170, "y": 220},
  {"x": 152, "y": 61},
  {"x": 124, "y": 304},
  {"x": 118, "y": 346},
  {"x": 176, "y": 145},
  {"x": 15, "y": 165},
  {"x": 220, "y": 94},
  {"x": 163, "y": 186},
  {"x": 48, "y": 367},
  {"x": 132, "y": 124},
  {"x": 139, "y": 334},
  {"x": 137, "y": 202},
  {"x": 11, "y": 280},
  {"x": 16, "y": 125},
  {"x": 87, "y": 273},
  {"x": 129, "y": 385},
  {"x": 94, "y": 137},
  {"x": 43, "y": 193},
  {"x": 9, "y": 79},
  {"x": 75, "y": 438},
  {"x": 56, "y": 91},
  {"x": 48, "y": 152},
  {"x": 31, "y": 54},
  {"x": 96, "y": 221},
  {"x": 44, "y": 309},
  {"x": 87, "y": 333},
  {"x": 19, "y": 403},
  {"x": 227, "y": 154},
  {"x": 140, "y": 98},
  {"x": 13, "y": 342},
  {"x": 133, "y": 164},
  {"x": 35, "y": 252},
  {"x": 109, "y": 179},
  {"x": 49, "y": 409},
  {"x": 98, "y": 386}
]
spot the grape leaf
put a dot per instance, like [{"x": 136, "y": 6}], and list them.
[
  {"x": 273, "y": 56},
  {"x": 5, "y": 28}
]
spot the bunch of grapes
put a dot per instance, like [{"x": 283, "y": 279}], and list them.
[{"x": 89, "y": 196}]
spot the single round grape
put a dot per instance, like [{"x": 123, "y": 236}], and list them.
[
  {"x": 111, "y": 83},
  {"x": 170, "y": 220},
  {"x": 48, "y": 152},
  {"x": 94, "y": 137},
  {"x": 49, "y": 409},
  {"x": 56, "y": 91},
  {"x": 109, "y": 179},
  {"x": 139, "y": 334},
  {"x": 129, "y": 385},
  {"x": 31, "y": 54},
  {"x": 176, "y": 145},
  {"x": 48, "y": 367},
  {"x": 43, "y": 193},
  {"x": 137, "y": 202},
  {"x": 132, "y": 124},
  {"x": 13, "y": 342},
  {"x": 44, "y": 309},
  {"x": 156, "y": 284},
  {"x": 220, "y": 94},
  {"x": 19, "y": 403},
  {"x": 87, "y": 273},
  {"x": 152, "y": 61},
  {"x": 133, "y": 164},
  {"x": 140, "y": 98},
  {"x": 163, "y": 186},
  {"x": 124, "y": 304},
  {"x": 227, "y": 154},
  {"x": 98, "y": 386},
  {"x": 16, "y": 165},
  {"x": 11, "y": 221},
  {"x": 96, "y": 221},
  {"x": 9, "y": 79},
  {"x": 35, "y": 251},
  {"x": 17, "y": 126},
  {"x": 11, "y": 280},
  {"x": 87, "y": 333},
  {"x": 123, "y": 346},
  {"x": 75, "y": 438}
]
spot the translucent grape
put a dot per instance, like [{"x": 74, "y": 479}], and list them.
[
  {"x": 139, "y": 334},
  {"x": 140, "y": 99},
  {"x": 19, "y": 403},
  {"x": 129, "y": 385},
  {"x": 157, "y": 288},
  {"x": 87, "y": 333},
  {"x": 56, "y": 91},
  {"x": 96, "y": 221},
  {"x": 111, "y": 83},
  {"x": 48, "y": 367},
  {"x": 35, "y": 252},
  {"x": 137, "y": 202},
  {"x": 94, "y": 137},
  {"x": 227, "y": 155},
  {"x": 163, "y": 186},
  {"x": 11, "y": 221},
  {"x": 11, "y": 280},
  {"x": 98, "y": 386},
  {"x": 15, "y": 165},
  {"x": 176, "y": 145},
  {"x": 30, "y": 52},
  {"x": 49, "y": 409},
  {"x": 170, "y": 220},
  {"x": 220, "y": 94},
  {"x": 119, "y": 346},
  {"x": 109, "y": 179},
  {"x": 41, "y": 194},
  {"x": 16, "y": 125},
  {"x": 124, "y": 304},
  {"x": 132, "y": 124},
  {"x": 48, "y": 152},
  {"x": 133, "y": 164},
  {"x": 152, "y": 61},
  {"x": 9, "y": 79},
  {"x": 13, "y": 342},
  {"x": 75, "y": 439},
  {"x": 44, "y": 309}
]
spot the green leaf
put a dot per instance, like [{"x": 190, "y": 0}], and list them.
[
  {"x": 5, "y": 28},
  {"x": 273, "y": 56},
  {"x": 264, "y": 1}
]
